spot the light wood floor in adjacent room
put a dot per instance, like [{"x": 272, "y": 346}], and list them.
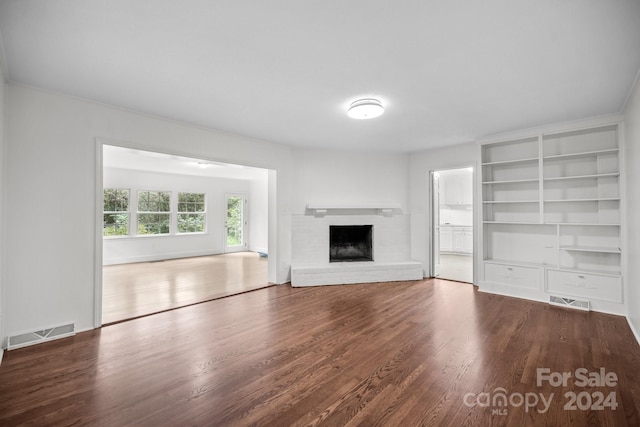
[
  {"x": 133, "y": 290},
  {"x": 456, "y": 267},
  {"x": 419, "y": 353}
]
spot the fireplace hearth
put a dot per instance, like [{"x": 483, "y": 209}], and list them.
[{"x": 350, "y": 243}]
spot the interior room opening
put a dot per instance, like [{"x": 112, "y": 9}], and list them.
[
  {"x": 178, "y": 230},
  {"x": 452, "y": 216}
]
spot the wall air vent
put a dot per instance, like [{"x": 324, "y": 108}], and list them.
[
  {"x": 37, "y": 337},
  {"x": 569, "y": 302}
]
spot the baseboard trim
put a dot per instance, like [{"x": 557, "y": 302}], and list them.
[
  {"x": 633, "y": 330},
  {"x": 158, "y": 257}
]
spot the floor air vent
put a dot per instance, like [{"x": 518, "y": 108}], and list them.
[
  {"x": 37, "y": 337},
  {"x": 569, "y": 302}
]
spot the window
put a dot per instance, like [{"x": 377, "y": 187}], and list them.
[
  {"x": 115, "y": 212},
  {"x": 191, "y": 212},
  {"x": 154, "y": 212}
]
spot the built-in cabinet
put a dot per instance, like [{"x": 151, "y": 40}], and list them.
[
  {"x": 456, "y": 239},
  {"x": 457, "y": 190},
  {"x": 551, "y": 215},
  {"x": 446, "y": 238}
]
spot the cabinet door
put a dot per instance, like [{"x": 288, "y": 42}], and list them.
[
  {"x": 458, "y": 190},
  {"x": 446, "y": 239},
  {"x": 527, "y": 277},
  {"x": 466, "y": 189},
  {"x": 583, "y": 285},
  {"x": 458, "y": 240},
  {"x": 467, "y": 240}
]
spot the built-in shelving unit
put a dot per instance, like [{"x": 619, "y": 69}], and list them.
[{"x": 552, "y": 217}]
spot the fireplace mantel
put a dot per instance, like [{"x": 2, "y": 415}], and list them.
[{"x": 383, "y": 208}]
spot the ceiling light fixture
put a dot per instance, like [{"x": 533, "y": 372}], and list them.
[{"x": 367, "y": 108}]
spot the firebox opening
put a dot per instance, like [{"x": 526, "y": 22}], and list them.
[{"x": 349, "y": 243}]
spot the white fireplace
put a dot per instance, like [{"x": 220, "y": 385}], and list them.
[{"x": 387, "y": 229}]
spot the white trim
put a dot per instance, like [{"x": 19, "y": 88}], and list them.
[
  {"x": 628, "y": 97},
  {"x": 97, "y": 263},
  {"x": 635, "y": 332},
  {"x": 534, "y": 132},
  {"x": 4, "y": 65},
  {"x": 158, "y": 257}
]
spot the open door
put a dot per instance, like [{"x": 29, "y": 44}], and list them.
[
  {"x": 236, "y": 223},
  {"x": 435, "y": 218}
]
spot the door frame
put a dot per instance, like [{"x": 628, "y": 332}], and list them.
[
  {"x": 434, "y": 270},
  {"x": 434, "y": 251}
]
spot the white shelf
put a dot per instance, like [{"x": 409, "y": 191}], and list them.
[
  {"x": 581, "y": 154},
  {"x": 515, "y": 222},
  {"x": 519, "y": 263},
  {"x": 509, "y": 201},
  {"x": 595, "y": 176},
  {"x": 586, "y": 224},
  {"x": 604, "y": 199},
  {"x": 591, "y": 249},
  {"x": 512, "y": 181},
  {"x": 509, "y": 162}
]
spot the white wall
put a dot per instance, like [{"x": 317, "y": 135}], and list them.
[
  {"x": 632, "y": 160},
  {"x": 2, "y": 203},
  {"x": 51, "y": 197},
  {"x": 259, "y": 215},
  {"x": 118, "y": 250},
  {"x": 421, "y": 164},
  {"x": 348, "y": 177}
]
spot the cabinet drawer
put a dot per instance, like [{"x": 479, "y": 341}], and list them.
[
  {"x": 526, "y": 277},
  {"x": 606, "y": 288}
]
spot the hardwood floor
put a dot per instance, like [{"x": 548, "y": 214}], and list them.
[
  {"x": 384, "y": 354},
  {"x": 133, "y": 290}
]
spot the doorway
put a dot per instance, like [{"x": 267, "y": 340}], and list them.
[
  {"x": 236, "y": 223},
  {"x": 452, "y": 216}
]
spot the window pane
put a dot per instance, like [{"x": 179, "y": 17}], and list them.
[
  {"x": 191, "y": 202},
  {"x": 153, "y": 223},
  {"x": 115, "y": 224},
  {"x": 191, "y": 223},
  {"x": 115, "y": 221},
  {"x": 116, "y": 200},
  {"x": 154, "y": 201}
]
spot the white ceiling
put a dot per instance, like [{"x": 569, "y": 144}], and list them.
[
  {"x": 448, "y": 72},
  {"x": 127, "y": 158}
]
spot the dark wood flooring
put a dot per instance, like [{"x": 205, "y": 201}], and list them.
[{"x": 428, "y": 352}]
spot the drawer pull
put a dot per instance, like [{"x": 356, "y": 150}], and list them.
[{"x": 580, "y": 276}]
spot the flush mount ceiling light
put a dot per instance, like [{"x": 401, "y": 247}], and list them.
[{"x": 367, "y": 108}]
